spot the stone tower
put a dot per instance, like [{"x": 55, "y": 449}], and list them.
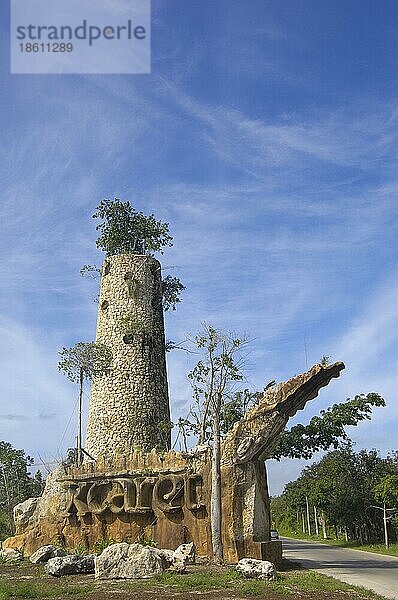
[{"x": 129, "y": 407}]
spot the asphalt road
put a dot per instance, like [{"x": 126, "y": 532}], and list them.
[{"x": 373, "y": 571}]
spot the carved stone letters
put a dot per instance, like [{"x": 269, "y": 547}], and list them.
[{"x": 135, "y": 495}]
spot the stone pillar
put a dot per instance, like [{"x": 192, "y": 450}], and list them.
[{"x": 129, "y": 407}]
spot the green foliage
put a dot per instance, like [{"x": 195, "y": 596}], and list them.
[
  {"x": 85, "y": 361},
  {"x": 214, "y": 379},
  {"x": 171, "y": 290},
  {"x": 16, "y": 484},
  {"x": 235, "y": 408},
  {"x": 147, "y": 541},
  {"x": 164, "y": 429},
  {"x": 123, "y": 230},
  {"x": 325, "y": 360},
  {"x": 386, "y": 490},
  {"x": 327, "y": 430},
  {"x": 80, "y": 550},
  {"x": 100, "y": 546},
  {"x": 131, "y": 324},
  {"x": 342, "y": 486}
]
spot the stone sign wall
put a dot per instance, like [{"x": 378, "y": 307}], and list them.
[{"x": 166, "y": 497}]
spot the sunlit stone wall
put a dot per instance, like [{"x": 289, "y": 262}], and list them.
[{"x": 129, "y": 407}]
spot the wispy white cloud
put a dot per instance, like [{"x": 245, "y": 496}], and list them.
[
  {"x": 369, "y": 347},
  {"x": 36, "y": 401},
  {"x": 274, "y": 220}
]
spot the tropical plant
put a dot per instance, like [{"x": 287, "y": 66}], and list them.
[
  {"x": 213, "y": 380},
  {"x": 123, "y": 230},
  {"x": 171, "y": 290},
  {"x": 16, "y": 483},
  {"x": 327, "y": 430},
  {"x": 82, "y": 363}
]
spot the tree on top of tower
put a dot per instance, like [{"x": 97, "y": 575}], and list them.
[{"x": 126, "y": 231}]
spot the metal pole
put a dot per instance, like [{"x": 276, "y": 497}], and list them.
[{"x": 385, "y": 525}]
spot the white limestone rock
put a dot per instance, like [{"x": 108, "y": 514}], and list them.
[
  {"x": 128, "y": 561},
  {"x": 23, "y": 512},
  {"x": 171, "y": 562},
  {"x": 9, "y": 554},
  {"x": 43, "y": 554},
  {"x": 70, "y": 565},
  {"x": 166, "y": 555},
  {"x": 256, "y": 569},
  {"x": 186, "y": 553}
]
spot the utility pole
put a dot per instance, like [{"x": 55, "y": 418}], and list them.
[
  {"x": 385, "y": 525},
  {"x": 385, "y": 517}
]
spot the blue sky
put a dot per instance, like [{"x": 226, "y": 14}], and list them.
[{"x": 267, "y": 136}]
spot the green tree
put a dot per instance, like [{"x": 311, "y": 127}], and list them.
[
  {"x": 327, "y": 430},
  {"x": 341, "y": 485},
  {"x": 82, "y": 363},
  {"x": 234, "y": 408},
  {"x": 16, "y": 484},
  {"x": 123, "y": 230},
  {"x": 171, "y": 290},
  {"x": 213, "y": 380},
  {"x": 126, "y": 231},
  {"x": 386, "y": 490}
]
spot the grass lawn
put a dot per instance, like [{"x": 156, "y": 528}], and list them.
[
  {"x": 287, "y": 584},
  {"x": 377, "y": 548},
  {"x": 30, "y": 581}
]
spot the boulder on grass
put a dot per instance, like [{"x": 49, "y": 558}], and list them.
[
  {"x": 70, "y": 565},
  {"x": 171, "y": 562},
  {"x": 256, "y": 569},
  {"x": 185, "y": 553},
  {"x": 167, "y": 557},
  {"x": 43, "y": 554},
  {"x": 128, "y": 561},
  {"x": 9, "y": 554}
]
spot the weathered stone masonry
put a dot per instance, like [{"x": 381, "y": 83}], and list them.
[
  {"x": 130, "y": 491},
  {"x": 130, "y": 406},
  {"x": 166, "y": 496}
]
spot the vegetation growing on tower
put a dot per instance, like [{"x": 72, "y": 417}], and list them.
[{"x": 125, "y": 231}]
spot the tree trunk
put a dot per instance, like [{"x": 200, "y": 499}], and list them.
[
  {"x": 325, "y": 535},
  {"x": 316, "y": 521},
  {"x": 216, "y": 486},
  {"x": 308, "y": 515},
  {"x": 346, "y": 533},
  {"x": 79, "y": 421}
]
